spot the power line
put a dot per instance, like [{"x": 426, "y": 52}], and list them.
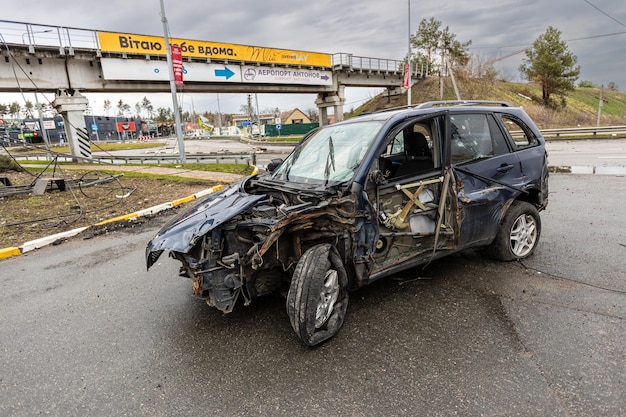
[
  {"x": 530, "y": 44},
  {"x": 603, "y": 12}
]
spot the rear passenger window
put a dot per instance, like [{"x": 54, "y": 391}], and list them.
[
  {"x": 471, "y": 138},
  {"x": 475, "y": 136},
  {"x": 521, "y": 135}
]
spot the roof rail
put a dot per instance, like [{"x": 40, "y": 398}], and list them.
[
  {"x": 386, "y": 110},
  {"x": 430, "y": 104}
]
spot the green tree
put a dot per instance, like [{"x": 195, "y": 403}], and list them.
[
  {"x": 551, "y": 64},
  {"x": 14, "y": 109},
  {"x": 612, "y": 86},
  {"x": 28, "y": 108},
  {"x": 4, "y": 109},
  {"x": 164, "y": 115},
  {"x": 107, "y": 107},
  {"x": 586, "y": 84},
  {"x": 122, "y": 108},
  {"x": 426, "y": 39},
  {"x": 455, "y": 51},
  {"x": 48, "y": 110},
  {"x": 436, "y": 45},
  {"x": 147, "y": 106}
]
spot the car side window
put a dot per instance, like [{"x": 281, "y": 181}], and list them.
[
  {"x": 521, "y": 135},
  {"x": 397, "y": 145},
  {"x": 475, "y": 136},
  {"x": 471, "y": 137}
]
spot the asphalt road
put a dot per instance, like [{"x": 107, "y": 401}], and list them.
[{"x": 86, "y": 331}]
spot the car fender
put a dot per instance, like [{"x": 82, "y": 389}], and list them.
[{"x": 182, "y": 232}]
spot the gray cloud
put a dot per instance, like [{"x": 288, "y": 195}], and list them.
[{"x": 364, "y": 28}]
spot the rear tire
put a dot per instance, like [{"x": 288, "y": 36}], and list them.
[
  {"x": 519, "y": 233},
  {"x": 318, "y": 296}
]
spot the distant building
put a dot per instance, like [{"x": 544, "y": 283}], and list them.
[{"x": 295, "y": 116}]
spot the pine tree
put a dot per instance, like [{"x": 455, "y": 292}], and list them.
[{"x": 552, "y": 65}]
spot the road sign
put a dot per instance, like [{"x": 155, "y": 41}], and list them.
[
  {"x": 177, "y": 63},
  {"x": 278, "y": 126}
]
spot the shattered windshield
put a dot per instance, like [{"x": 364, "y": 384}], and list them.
[{"x": 330, "y": 156}]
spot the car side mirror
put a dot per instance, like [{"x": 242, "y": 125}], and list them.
[
  {"x": 377, "y": 177},
  {"x": 274, "y": 163}
]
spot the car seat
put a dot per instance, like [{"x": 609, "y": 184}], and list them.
[{"x": 418, "y": 155}]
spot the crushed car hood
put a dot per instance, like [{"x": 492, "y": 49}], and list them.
[{"x": 180, "y": 234}]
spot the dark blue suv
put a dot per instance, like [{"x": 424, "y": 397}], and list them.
[{"x": 363, "y": 199}]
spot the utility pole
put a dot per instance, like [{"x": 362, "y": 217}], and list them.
[
  {"x": 249, "y": 114},
  {"x": 250, "y": 108},
  {"x": 219, "y": 115},
  {"x": 258, "y": 115},
  {"x": 408, "y": 91},
  {"x": 600, "y": 105},
  {"x": 179, "y": 133},
  {"x": 44, "y": 134}
]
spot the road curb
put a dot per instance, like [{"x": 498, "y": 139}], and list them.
[{"x": 44, "y": 241}]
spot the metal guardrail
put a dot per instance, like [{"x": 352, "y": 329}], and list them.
[
  {"x": 576, "y": 131},
  {"x": 206, "y": 158}
]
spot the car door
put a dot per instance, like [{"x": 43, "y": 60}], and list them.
[
  {"x": 488, "y": 174},
  {"x": 532, "y": 155},
  {"x": 411, "y": 197}
]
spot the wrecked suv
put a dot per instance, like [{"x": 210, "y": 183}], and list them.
[{"x": 363, "y": 199}]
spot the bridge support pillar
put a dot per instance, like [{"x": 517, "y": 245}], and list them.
[
  {"x": 336, "y": 100},
  {"x": 72, "y": 107}
]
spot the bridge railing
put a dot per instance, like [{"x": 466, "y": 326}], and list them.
[
  {"x": 362, "y": 63},
  {"x": 64, "y": 38},
  {"x": 68, "y": 38}
]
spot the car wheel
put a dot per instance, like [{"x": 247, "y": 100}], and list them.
[
  {"x": 318, "y": 296},
  {"x": 519, "y": 233}
]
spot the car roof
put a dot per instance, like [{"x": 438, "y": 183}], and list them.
[{"x": 435, "y": 106}]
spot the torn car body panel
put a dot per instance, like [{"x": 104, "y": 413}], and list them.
[{"x": 181, "y": 233}]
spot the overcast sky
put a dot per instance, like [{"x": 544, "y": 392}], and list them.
[{"x": 595, "y": 31}]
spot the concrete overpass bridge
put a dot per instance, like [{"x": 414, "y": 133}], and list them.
[{"x": 69, "y": 61}]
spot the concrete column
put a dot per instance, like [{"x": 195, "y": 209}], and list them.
[
  {"x": 339, "y": 102},
  {"x": 323, "y": 111},
  {"x": 338, "y": 110},
  {"x": 72, "y": 108},
  {"x": 336, "y": 100}
]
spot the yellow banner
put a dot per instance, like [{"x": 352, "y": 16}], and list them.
[{"x": 154, "y": 45}]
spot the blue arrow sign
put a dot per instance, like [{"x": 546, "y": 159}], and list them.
[{"x": 226, "y": 72}]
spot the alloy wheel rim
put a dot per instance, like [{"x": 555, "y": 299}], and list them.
[
  {"x": 329, "y": 294},
  {"x": 523, "y": 235}
]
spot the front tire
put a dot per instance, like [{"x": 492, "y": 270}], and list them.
[
  {"x": 318, "y": 296},
  {"x": 519, "y": 233}
]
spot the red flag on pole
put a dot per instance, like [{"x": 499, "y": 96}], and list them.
[
  {"x": 177, "y": 64},
  {"x": 405, "y": 82}
]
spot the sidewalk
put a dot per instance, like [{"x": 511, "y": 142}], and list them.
[{"x": 156, "y": 170}]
